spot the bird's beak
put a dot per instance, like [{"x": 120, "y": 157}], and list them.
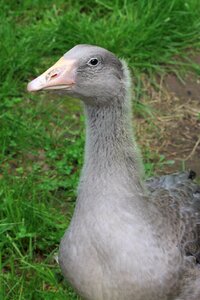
[{"x": 61, "y": 76}]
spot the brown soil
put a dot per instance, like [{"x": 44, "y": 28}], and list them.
[{"x": 174, "y": 128}]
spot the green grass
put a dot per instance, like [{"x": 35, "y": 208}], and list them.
[{"x": 42, "y": 136}]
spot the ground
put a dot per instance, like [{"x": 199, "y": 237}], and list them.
[{"x": 173, "y": 129}]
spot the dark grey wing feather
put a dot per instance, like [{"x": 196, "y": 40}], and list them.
[
  {"x": 178, "y": 199},
  {"x": 170, "y": 181}
]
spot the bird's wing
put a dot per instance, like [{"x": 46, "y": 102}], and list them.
[{"x": 177, "y": 198}]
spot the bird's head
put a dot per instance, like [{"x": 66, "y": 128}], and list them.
[{"x": 87, "y": 72}]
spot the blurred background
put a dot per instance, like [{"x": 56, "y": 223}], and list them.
[{"x": 42, "y": 136}]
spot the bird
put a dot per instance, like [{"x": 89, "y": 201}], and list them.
[{"x": 129, "y": 239}]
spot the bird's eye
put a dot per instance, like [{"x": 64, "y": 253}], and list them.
[{"x": 93, "y": 62}]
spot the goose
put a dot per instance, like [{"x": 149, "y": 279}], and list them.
[{"x": 128, "y": 239}]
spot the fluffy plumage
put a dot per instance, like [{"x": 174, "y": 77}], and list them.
[{"x": 128, "y": 239}]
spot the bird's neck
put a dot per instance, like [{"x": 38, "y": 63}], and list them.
[{"x": 111, "y": 154}]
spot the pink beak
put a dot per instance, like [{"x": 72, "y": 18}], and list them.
[{"x": 60, "y": 76}]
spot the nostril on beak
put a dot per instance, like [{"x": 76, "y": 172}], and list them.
[{"x": 54, "y": 75}]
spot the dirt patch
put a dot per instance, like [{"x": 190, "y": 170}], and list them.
[
  {"x": 174, "y": 128},
  {"x": 185, "y": 90}
]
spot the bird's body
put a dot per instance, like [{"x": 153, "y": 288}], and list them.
[{"x": 127, "y": 240}]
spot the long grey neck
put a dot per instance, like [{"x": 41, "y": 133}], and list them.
[{"x": 110, "y": 152}]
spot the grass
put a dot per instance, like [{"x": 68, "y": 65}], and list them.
[{"x": 42, "y": 136}]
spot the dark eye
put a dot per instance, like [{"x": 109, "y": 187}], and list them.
[{"x": 93, "y": 62}]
